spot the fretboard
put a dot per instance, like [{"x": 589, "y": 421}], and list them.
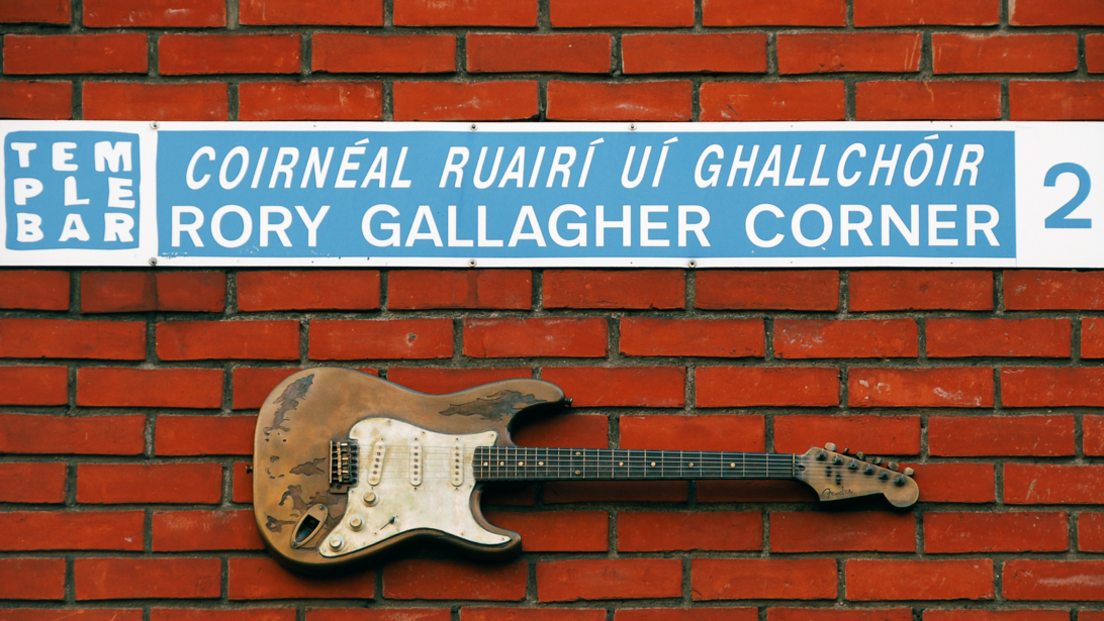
[{"x": 502, "y": 463}]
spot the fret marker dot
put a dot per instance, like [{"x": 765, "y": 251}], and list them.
[
  {"x": 540, "y": 463},
  {"x": 485, "y": 463},
  {"x": 502, "y": 463},
  {"x": 577, "y": 453},
  {"x": 521, "y": 463},
  {"x": 732, "y": 465},
  {"x": 577, "y": 472},
  {"x": 620, "y": 463},
  {"x": 653, "y": 464},
  {"x": 691, "y": 464}
]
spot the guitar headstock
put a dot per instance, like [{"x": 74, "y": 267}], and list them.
[{"x": 836, "y": 475}]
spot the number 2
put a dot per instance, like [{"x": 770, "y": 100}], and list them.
[{"x": 1060, "y": 219}]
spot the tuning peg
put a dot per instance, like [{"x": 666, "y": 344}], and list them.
[
  {"x": 860, "y": 455},
  {"x": 909, "y": 472},
  {"x": 831, "y": 446},
  {"x": 846, "y": 451},
  {"x": 893, "y": 465},
  {"x": 877, "y": 461}
]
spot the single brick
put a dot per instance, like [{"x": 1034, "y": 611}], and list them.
[
  {"x": 1043, "y": 13},
  {"x": 309, "y": 290},
  {"x": 945, "y": 387},
  {"x": 891, "y": 435},
  {"x": 777, "y": 13},
  {"x": 467, "y": 613},
  {"x": 438, "y": 381},
  {"x": 154, "y": 13},
  {"x": 986, "y": 436},
  {"x": 848, "y": 52},
  {"x": 35, "y": 100},
  {"x": 558, "y": 53},
  {"x": 615, "y": 491},
  {"x": 311, "y": 12},
  {"x": 950, "y": 482},
  {"x": 205, "y": 435},
  {"x": 229, "y": 340},
  {"x": 57, "y": 614},
  {"x": 147, "y": 578},
  {"x": 194, "y": 101},
  {"x": 648, "y": 387},
  {"x": 33, "y": 289},
  {"x": 1094, "y": 52},
  {"x": 726, "y": 531},
  {"x": 975, "y": 614},
  {"x": 831, "y": 614},
  {"x": 465, "y": 101},
  {"x": 96, "y": 53},
  {"x": 140, "y": 292},
  {"x": 396, "y": 338},
  {"x": 878, "y": 13},
  {"x": 507, "y": 13},
  {"x": 710, "y": 432},
  {"x": 1025, "y": 387},
  {"x": 715, "y": 338},
  {"x": 942, "y": 100},
  {"x": 808, "y": 531},
  {"x": 952, "y": 533},
  {"x": 252, "y": 385},
  {"x": 565, "y": 431},
  {"x": 72, "y": 435},
  {"x": 263, "y": 578},
  {"x": 863, "y": 338},
  {"x": 32, "y": 578},
  {"x": 557, "y": 531},
  {"x": 809, "y": 290},
  {"x": 149, "y": 483},
  {"x": 621, "y": 13},
  {"x": 38, "y": 482},
  {"x": 1092, "y": 441},
  {"x": 751, "y": 386},
  {"x": 1092, "y": 337},
  {"x": 342, "y": 52},
  {"x": 1053, "y": 290},
  {"x": 920, "y": 290},
  {"x": 36, "y": 12},
  {"x": 813, "y": 578},
  {"x": 539, "y": 337},
  {"x": 636, "y": 578},
  {"x": 919, "y": 580},
  {"x": 62, "y": 338},
  {"x": 632, "y": 289},
  {"x": 209, "y": 614},
  {"x": 1090, "y": 532},
  {"x": 310, "y": 101},
  {"x": 72, "y": 530},
  {"x": 603, "y": 101},
  {"x": 1025, "y": 338},
  {"x": 1039, "y": 484},
  {"x": 773, "y": 101},
  {"x": 203, "y": 54},
  {"x": 754, "y": 491},
  {"x": 743, "y": 52},
  {"x": 191, "y": 531},
  {"x": 686, "y": 614},
  {"x": 450, "y": 580},
  {"x": 34, "y": 385},
  {"x": 446, "y": 289},
  {"x": 1053, "y": 580},
  {"x": 1024, "y": 53},
  {"x": 1056, "y": 101}
]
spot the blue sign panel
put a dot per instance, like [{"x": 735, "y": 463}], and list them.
[{"x": 939, "y": 194}]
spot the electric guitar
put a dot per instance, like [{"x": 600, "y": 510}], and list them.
[{"x": 348, "y": 466}]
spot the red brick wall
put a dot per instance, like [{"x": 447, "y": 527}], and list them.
[{"x": 127, "y": 398}]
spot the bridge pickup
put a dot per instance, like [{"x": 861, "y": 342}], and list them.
[{"x": 344, "y": 462}]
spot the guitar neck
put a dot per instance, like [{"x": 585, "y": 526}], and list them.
[{"x": 510, "y": 463}]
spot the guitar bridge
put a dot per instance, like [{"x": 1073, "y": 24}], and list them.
[{"x": 344, "y": 463}]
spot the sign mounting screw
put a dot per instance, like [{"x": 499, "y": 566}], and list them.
[
  {"x": 632, "y": 126},
  {"x": 692, "y": 264},
  {"x": 471, "y": 262},
  {"x": 154, "y": 125},
  {"x": 153, "y": 261},
  {"x": 473, "y": 127}
]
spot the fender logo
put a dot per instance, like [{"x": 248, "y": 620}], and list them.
[{"x": 828, "y": 494}]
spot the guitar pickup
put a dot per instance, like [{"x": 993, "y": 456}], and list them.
[{"x": 344, "y": 462}]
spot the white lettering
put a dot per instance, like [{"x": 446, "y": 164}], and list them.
[{"x": 216, "y": 226}]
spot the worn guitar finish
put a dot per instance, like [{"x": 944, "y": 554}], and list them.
[{"x": 347, "y": 466}]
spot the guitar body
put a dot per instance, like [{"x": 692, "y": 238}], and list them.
[{"x": 315, "y": 515}]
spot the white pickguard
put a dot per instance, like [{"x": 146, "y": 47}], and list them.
[{"x": 413, "y": 487}]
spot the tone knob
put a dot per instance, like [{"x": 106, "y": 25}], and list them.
[
  {"x": 337, "y": 542},
  {"x": 370, "y": 499},
  {"x": 356, "y": 522}
]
